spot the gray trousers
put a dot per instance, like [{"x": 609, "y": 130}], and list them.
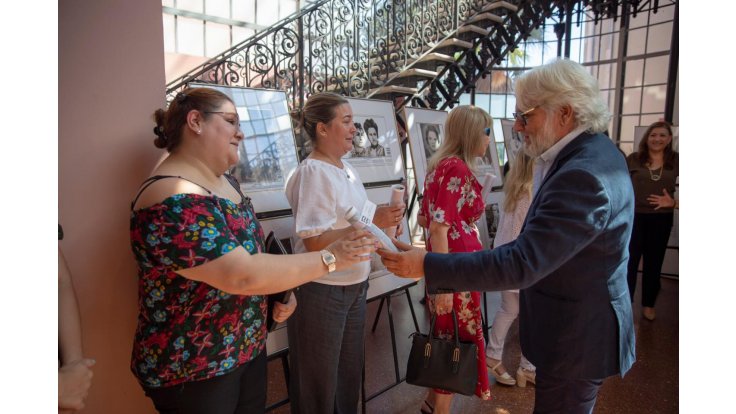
[{"x": 326, "y": 339}]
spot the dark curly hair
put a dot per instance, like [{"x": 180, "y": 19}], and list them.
[{"x": 669, "y": 152}]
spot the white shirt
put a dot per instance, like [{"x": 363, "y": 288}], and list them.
[
  {"x": 320, "y": 194},
  {"x": 510, "y": 223},
  {"x": 543, "y": 163}
]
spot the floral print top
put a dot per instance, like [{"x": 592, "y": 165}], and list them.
[
  {"x": 189, "y": 330},
  {"x": 452, "y": 196}
]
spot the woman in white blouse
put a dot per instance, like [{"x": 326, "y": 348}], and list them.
[
  {"x": 518, "y": 189},
  {"x": 326, "y": 332}
]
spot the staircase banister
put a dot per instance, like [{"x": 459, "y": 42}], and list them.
[{"x": 203, "y": 68}]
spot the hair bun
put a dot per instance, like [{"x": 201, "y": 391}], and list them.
[{"x": 161, "y": 141}]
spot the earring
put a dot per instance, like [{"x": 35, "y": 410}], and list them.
[{"x": 199, "y": 131}]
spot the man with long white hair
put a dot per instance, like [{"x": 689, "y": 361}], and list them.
[{"x": 570, "y": 258}]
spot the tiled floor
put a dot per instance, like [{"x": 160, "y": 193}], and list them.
[{"x": 651, "y": 386}]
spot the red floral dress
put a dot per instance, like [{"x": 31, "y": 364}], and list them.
[
  {"x": 189, "y": 330},
  {"x": 452, "y": 196}
]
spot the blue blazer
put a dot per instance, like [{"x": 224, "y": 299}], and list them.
[{"x": 569, "y": 262}]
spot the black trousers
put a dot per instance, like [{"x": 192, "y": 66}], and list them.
[
  {"x": 242, "y": 391},
  {"x": 648, "y": 242},
  {"x": 553, "y": 395}
]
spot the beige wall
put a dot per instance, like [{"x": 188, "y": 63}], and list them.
[{"x": 111, "y": 78}]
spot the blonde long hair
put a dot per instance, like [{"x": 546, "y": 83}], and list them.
[
  {"x": 463, "y": 129},
  {"x": 518, "y": 181}
]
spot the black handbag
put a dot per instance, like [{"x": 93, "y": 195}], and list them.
[
  {"x": 274, "y": 246},
  {"x": 450, "y": 365}
]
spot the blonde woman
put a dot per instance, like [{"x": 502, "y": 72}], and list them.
[
  {"x": 518, "y": 188},
  {"x": 452, "y": 204}
]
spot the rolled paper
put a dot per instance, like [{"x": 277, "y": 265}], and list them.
[
  {"x": 353, "y": 217},
  {"x": 397, "y": 197}
]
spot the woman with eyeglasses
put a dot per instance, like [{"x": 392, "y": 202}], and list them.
[
  {"x": 200, "y": 343},
  {"x": 654, "y": 169},
  {"x": 452, "y": 204}
]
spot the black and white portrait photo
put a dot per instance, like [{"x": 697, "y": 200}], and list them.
[
  {"x": 431, "y": 138},
  {"x": 513, "y": 140},
  {"x": 375, "y": 149},
  {"x": 492, "y": 217},
  {"x": 360, "y": 142}
]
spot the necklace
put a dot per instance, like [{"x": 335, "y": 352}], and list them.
[{"x": 658, "y": 176}]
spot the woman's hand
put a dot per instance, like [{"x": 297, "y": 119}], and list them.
[
  {"x": 661, "y": 201},
  {"x": 400, "y": 229},
  {"x": 352, "y": 249},
  {"x": 442, "y": 303},
  {"x": 282, "y": 311},
  {"x": 75, "y": 378},
  {"x": 388, "y": 216},
  {"x": 422, "y": 221}
]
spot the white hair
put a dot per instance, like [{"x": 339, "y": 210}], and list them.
[{"x": 564, "y": 82}]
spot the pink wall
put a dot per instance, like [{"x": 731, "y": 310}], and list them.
[{"x": 111, "y": 78}]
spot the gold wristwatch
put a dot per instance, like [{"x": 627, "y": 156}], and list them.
[{"x": 329, "y": 260}]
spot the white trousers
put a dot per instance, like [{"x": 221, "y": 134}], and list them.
[{"x": 501, "y": 324}]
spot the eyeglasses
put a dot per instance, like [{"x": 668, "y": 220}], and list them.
[
  {"x": 234, "y": 122},
  {"x": 522, "y": 116},
  {"x": 487, "y": 131}
]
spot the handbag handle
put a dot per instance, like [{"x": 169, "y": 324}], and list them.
[{"x": 428, "y": 346}]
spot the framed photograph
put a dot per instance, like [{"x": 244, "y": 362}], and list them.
[
  {"x": 490, "y": 164},
  {"x": 488, "y": 223},
  {"x": 267, "y": 153},
  {"x": 513, "y": 140},
  {"x": 376, "y": 154},
  {"x": 425, "y": 128}
]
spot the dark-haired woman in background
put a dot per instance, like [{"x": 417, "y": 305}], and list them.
[
  {"x": 654, "y": 169},
  {"x": 200, "y": 341}
]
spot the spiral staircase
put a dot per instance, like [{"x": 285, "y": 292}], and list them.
[{"x": 422, "y": 53}]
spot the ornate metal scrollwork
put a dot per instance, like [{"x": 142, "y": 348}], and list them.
[{"x": 354, "y": 46}]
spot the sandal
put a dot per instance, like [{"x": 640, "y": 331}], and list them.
[
  {"x": 423, "y": 411},
  {"x": 501, "y": 378}
]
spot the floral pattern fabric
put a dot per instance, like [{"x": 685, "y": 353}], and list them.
[
  {"x": 189, "y": 330},
  {"x": 452, "y": 196}
]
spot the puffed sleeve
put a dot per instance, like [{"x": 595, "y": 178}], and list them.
[
  {"x": 312, "y": 194},
  {"x": 451, "y": 177}
]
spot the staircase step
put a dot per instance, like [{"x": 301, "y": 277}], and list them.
[
  {"x": 468, "y": 32},
  {"x": 391, "y": 90},
  {"x": 431, "y": 61},
  {"x": 498, "y": 5},
  {"x": 418, "y": 73},
  {"x": 484, "y": 18},
  {"x": 451, "y": 45}
]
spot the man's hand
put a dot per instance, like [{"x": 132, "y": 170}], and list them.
[
  {"x": 75, "y": 379},
  {"x": 409, "y": 263}
]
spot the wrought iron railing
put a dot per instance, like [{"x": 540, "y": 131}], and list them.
[
  {"x": 346, "y": 46},
  {"x": 354, "y": 47}
]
